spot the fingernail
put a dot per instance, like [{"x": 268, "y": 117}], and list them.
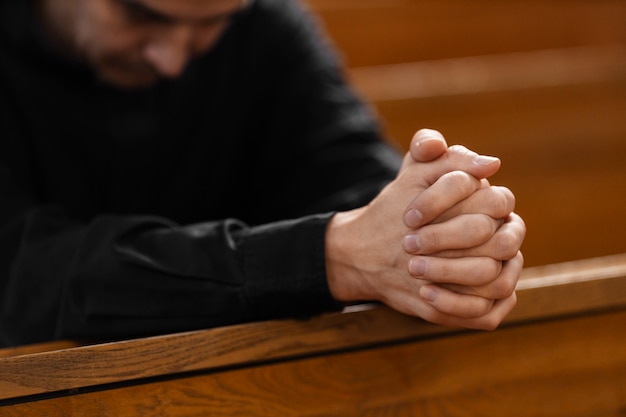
[
  {"x": 485, "y": 160},
  {"x": 425, "y": 134},
  {"x": 413, "y": 218},
  {"x": 429, "y": 293},
  {"x": 424, "y": 139},
  {"x": 410, "y": 243},
  {"x": 417, "y": 267}
]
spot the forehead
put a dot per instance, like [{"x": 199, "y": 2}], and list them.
[{"x": 190, "y": 9}]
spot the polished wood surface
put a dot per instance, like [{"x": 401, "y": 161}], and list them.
[
  {"x": 565, "y": 338},
  {"x": 567, "y": 368}
]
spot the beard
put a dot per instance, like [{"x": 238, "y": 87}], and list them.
[{"x": 125, "y": 73}]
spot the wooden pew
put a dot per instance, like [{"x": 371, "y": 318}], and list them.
[
  {"x": 541, "y": 84},
  {"x": 380, "y": 32},
  {"x": 560, "y": 353}
]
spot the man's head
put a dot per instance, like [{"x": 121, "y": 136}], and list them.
[{"x": 134, "y": 43}]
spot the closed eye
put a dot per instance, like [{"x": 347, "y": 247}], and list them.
[{"x": 138, "y": 13}]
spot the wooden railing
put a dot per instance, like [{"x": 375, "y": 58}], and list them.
[
  {"x": 560, "y": 353},
  {"x": 541, "y": 84}
]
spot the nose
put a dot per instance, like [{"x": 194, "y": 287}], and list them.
[{"x": 169, "y": 51}]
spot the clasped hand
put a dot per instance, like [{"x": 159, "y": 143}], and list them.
[{"x": 439, "y": 242}]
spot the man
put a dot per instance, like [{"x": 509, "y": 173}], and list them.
[{"x": 176, "y": 164}]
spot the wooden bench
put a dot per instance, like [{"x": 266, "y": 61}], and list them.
[
  {"x": 541, "y": 84},
  {"x": 560, "y": 353},
  {"x": 380, "y": 32}
]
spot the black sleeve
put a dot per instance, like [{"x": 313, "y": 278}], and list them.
[
  {"x": 132, "y": 276},
  {"x": 128, "y": 276}
]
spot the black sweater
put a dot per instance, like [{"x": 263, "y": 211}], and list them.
[{"x": 199, "y": 202}]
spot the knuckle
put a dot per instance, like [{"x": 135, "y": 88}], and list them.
[
  {"x": 484, "y": 307},
  {"x": 487, "y": 270},
  {"x": 460, "y": 150},
  {"x": 508, "y": 196},
  {"x": 445, "y": 271},
  {"x": 505, "y": 286},
  {"x": 496, "y": 267},
  {"x": 491, "y": 323},
  {"x": 488, "y": 228},
  {"x": 480, "y": 228},
  {"x": 507, "y": 245},
  {"x": 461, "y": 181},
  {"x": 521, "y": 225},
  {"x": 503, "y": 202},
  {"x": 429, "y": 240}
]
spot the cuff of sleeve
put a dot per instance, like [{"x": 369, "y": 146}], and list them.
[{"x": 285, "y": 268}]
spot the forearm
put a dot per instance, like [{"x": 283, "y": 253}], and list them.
[{"x": 127, "y": 277}]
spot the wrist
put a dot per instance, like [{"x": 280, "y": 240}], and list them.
[{"x": 342, "y": 272}]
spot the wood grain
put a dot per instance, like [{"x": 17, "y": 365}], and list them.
[
  {"x": 573, "y": 367},
  {"x": 575, "y": 288}
]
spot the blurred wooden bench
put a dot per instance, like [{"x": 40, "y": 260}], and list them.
[
  {"x": 560, "y": 353},
  {"x": 541, "y": 84},
  {"x": 380, "y": 32}
]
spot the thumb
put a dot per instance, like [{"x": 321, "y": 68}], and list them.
[
  {"x": 427, "y": 145},
  {"x": 457, "y": 158}
]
